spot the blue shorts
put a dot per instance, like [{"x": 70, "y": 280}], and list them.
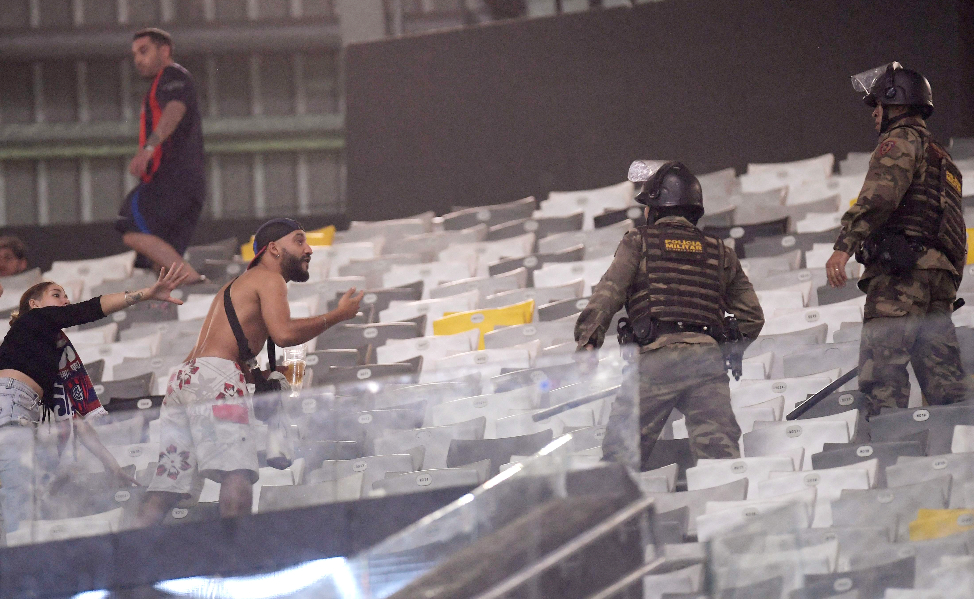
[{"x": 164, "y": 208}]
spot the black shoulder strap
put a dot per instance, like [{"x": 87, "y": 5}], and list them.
[{"x": 242, "y": 346}]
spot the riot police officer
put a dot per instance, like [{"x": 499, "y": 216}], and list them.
[
  {"x": 907, "y": 228},
  {"x": 677, "y": 285}
]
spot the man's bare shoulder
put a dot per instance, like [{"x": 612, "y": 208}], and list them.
[{"x": 260, "y": 279}]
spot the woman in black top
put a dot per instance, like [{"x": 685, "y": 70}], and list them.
[{"x": 40, "y": 371}]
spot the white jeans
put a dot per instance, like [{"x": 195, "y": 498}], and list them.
[
  {"x": 18, "y": 412},
  {"x": 16, "y": 475}
]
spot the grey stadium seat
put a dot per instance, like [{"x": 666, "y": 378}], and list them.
[
  {"x": 911, "y": 469},
  {"x": 868, "y": 583},
  {"x": 671, "y": 527},
  {"x": 356, "y": 336},
  {"x": 222, "y": 249},
  {"x": 604, "y": 237},
  {"x": 373, "y": 468},
  {"x": 892, "y": 508},
  {"x": 159, "y": 366},
  {"x": 782, "y": 436},
  {"x": 81, "y": 494},
  {"x": 545, "y": 377},
  {"x": 348, "y": 381},
  {"x": 747, "y": 214},
  {"x": 326, "y": 289},
  {"x": 143, "y": 312},
  {"x": 393, "y": 230},
  {"x": 836, "y": 403},
  {"x": 136, "y": 386},
  {"x": 489, "y": 215},
  {"x": 148, "y": 404},
  {"x": 294, "y": 497},
  {"x": 927, "y": 553},
  {"x": 696, "y": 500},
  {"x": 138, "y": 280},
  {"x": 379, "y": 299},
  {"x": 95, "y": 370},
  {"x": 550, "y": 333},
  {"x": 326, "y": 358},
  {"x": 195, "y": 512},
  {"x": 486, "y": 286},
  {"x": 373, "y": 269},
  {"x": 541, "y": 296},
  {"x": 762, "y": 247},
  {"x": 432, "y": 393},
  {"x": 497, "y": 451},
  {"x": 671, "y": 451},
  {"x": 437, "y": 478},
  {"x": 852, "y": 540},
  {"x": 610, "y": 217},
  {"x": 848, "y": 331},
  {"x": 315, "y": 453},
  {"x": 896, "y": 424},
  {"x": 786, "y": 343},
  {"x": 435, "y": 439},
  {"x": 855, "y": 163},
  {"x": 536, "y": 261},
  {"x": 833, "y": 295},
  {"x": 434, "y": 243},
  {"x": 561, "y": 309},
  {"x": 718, "y": 218},
  {"x": 765, "y": 589},
  {"x": 362, "y": 427},
  {"x": 822, "y": 358},
  {"x": 742, "y": 234},
  {"x": 221, "y": 271},
  {"x": 542, "y": 226}
]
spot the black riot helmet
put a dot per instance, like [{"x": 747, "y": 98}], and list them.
[
  {"x": 893, "y": 85},
  {"x": 668, "y": 185}
]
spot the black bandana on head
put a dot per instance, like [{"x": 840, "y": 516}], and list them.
[{"x": 270, "y": 231}]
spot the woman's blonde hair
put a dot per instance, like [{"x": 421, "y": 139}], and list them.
[{"x": 33, "y": 293}]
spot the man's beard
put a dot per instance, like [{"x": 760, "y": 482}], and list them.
[{"x": 291, "y": 268}]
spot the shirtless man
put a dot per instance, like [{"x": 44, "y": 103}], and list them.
[{"x": 205, "y": 419}]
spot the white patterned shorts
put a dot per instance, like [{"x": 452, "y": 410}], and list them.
[{"x": 205, "y": 426}]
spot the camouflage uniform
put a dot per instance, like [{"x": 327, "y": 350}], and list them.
[
  {"x": 906, "y": 318},
  {"x": 679, "y": 370}
]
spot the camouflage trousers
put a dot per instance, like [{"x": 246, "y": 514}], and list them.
[
  {"x": 688, "y": 377},
  {"x": 907, "y": 320}
]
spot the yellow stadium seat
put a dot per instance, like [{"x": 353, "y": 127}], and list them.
[
  {"x": 934, "y": 524},
  {"x": 970, "y": 247},
  {"x": 322, "y": 236},
  {"x": 453, "y": 323},
  {"x": 247, "y": 250}
]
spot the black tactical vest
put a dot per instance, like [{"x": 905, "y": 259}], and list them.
[
  {"x": 678, "y": 278},
  {"x": 932, "y": 209}
]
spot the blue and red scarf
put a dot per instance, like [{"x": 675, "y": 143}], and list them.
[{"x": 73, "y": 392}]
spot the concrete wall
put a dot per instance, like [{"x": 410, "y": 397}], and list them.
[{"x": 495, "y": 113}]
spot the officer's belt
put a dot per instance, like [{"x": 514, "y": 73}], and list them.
[{"x": 669, "y": 327}]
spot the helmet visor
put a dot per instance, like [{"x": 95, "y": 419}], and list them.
[
  {"x": 641, "y": 171},
  {"x": 864, "y": 81}
]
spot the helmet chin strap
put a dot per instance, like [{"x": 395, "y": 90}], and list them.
[{"x": 888, "y": 122}]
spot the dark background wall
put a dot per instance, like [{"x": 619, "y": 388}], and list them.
[{"x": 495, "y": 113}]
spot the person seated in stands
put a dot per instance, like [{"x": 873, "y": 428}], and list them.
[
  {"x": 42, "y": 376},
  {"x": 13, "y": 256},
  {"x": 205, "y": 422}
]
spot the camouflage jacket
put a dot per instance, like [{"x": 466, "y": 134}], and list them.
[
  {"x": 609, "y": 295},
  {"x": 898, "y": 158}
]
